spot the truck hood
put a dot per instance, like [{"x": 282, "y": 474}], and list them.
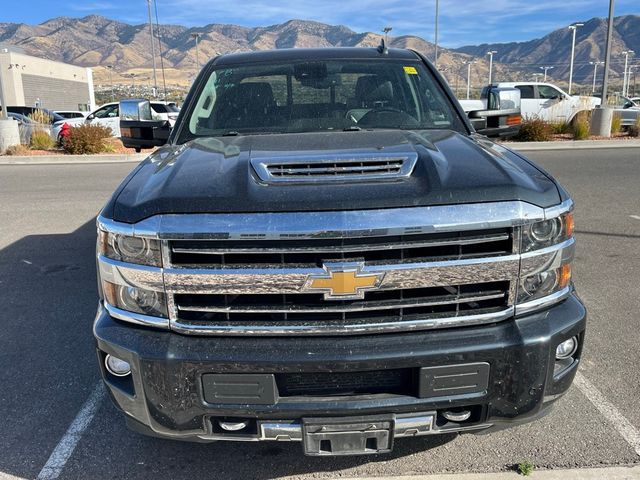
[{"x": 213, "y": 175}]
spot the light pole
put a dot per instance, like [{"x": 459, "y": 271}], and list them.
[
  {"x": 490, "y": 53},
  {"x": 469, "y": 78},
  {"x": 536, "y": 77},
  {"x": 595, "y": 74},
  {"x": 153, "y": 51},
  {"x": 435, "y": 63},
  {"x": 196, "y": 36},
  {"x": 625, "y": 81},
  {"x": 631, "y": 69},
  {"x": 113, "y": 90},
  {"x": 545, "y": 72},
  {"x": 573, "y": 28}
]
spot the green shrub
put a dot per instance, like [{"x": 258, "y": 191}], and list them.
[
  {"x": 87, "y": 139},
  {"x": 41, "y": 140},
  {"x": 525, "y": 468},
  {"x": 634, "y": 130},
  {"x": 616, "y": 123},
  {"x": 558, "y": 128},
  {"x": 580, "y": 126},
  {"x": 534, "y": 130}
]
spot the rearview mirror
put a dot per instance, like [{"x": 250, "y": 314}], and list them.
[{"x": 138, "y": 129}]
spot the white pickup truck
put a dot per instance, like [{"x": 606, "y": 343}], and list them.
[{"x": 543, "y": 100}]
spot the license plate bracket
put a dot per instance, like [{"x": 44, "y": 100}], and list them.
[{"x": 365, "y": 435}]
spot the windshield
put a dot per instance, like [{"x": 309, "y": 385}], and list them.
[{"x": 321, "y": 96}]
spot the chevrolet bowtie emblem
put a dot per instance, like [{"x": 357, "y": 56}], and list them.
[{"x": 343, "y": 281}]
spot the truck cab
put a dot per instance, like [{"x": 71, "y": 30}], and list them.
[{"x": 325, "y": 252}]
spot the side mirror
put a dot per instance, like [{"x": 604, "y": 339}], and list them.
[
  {"x": 91, "y": 117},
  {"x": 138, "y": 129}
]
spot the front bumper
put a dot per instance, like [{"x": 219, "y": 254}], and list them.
[{"x": 165, "y": 393}]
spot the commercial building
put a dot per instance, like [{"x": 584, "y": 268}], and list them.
[{"x": 36, "y": 82}]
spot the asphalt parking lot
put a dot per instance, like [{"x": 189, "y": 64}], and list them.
[{"x": 48, "y": 299}]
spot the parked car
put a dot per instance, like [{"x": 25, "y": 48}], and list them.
[
  {"x": 326, "y": 252},
  {"x": 108, "y": 115},
  {"x": 26, "y": 126},
  {"x": 71, "y": 114},
  {"x": 626, "y": 109},
  {"x": 549, "y": 102},
  {"x": 497, "y": 114},
  {"x": 56, "y": 121}
]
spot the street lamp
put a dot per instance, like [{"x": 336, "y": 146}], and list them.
[
  {"x": 113, "y": 90},
  {"x": 595, "y": 73},
  {"x": 573, "y": 28},
  {"x": 196, "y": 36},
  {"x": 153, "y": 51},
  {"x": 625, "y": 81},
  {"x": 545, "y": 72},
  {"x": 536, "y": 77},
  {"x": 386, "y": 31},
  {"x": 469, "y": 63},
  {"x": 435, "y": 63},
  {"x": 490, "y": 53}
]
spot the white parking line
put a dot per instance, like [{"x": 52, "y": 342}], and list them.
[
  {"x": 637, "y": 217},
  {"x": 610, "y": 412},
  {"x": 68, "y": 442}
]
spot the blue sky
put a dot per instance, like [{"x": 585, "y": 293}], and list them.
[{"x": 461, "y": 22}]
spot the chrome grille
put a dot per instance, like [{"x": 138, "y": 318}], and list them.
[
  {"x": 350, "y": 168},
  {"x": 374, "y": 249}
]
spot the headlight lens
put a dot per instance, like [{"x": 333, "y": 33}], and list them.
[
  {"x": 547, "y": 232},
  {"x": 544, "y": 283},
  {"x": 126, "y": 248},
  {"x": 133, "y": 299}
]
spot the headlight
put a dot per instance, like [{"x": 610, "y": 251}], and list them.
[
  {"x": 126, "y": 248},
  {"x": 544, "y": 283},
  {"x": 547, "y": 232},
  {"x": 137, "y": 300}
]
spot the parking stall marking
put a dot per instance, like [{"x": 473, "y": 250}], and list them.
[
  {"x": 610, "y": 412},
  {"x": 636, "y": 217},
  {"x": 70, "y": 439}
]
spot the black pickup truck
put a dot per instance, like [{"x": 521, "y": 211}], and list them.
[{"x": 325, "y": 252}]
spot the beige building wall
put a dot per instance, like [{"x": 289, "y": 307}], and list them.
[{"x": 32, "y": 81}]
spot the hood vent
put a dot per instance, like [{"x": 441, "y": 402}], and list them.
[{"x": 343, "y": 168}]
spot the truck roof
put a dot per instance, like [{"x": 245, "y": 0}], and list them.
[{"x": 286, "y": 55}]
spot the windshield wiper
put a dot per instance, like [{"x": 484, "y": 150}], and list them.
[
  {"x": 352, "y": 128},
  {"x": 230, "y": 133}
]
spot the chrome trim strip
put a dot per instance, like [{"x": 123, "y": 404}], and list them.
[
  {"x": 340, "y": 224},
  {"x": 547, "y": 258},
  {"x": 474, "y": 240},
  {"x": 137, "y": 318},
  {"x": 354, "y": 307},
  {"x": 557, "y": 210},
  {"x": 402, "y": 164},
  {"x": 540, "y": 303},
  {"x": 408, "y": 425},
  {"x": 121, "y": 273},
  {"x": 327, "y": 328},
  {"x": 293, "y": 280}
]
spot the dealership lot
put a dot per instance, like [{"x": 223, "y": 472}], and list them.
[{"x": 50, "y": 380}]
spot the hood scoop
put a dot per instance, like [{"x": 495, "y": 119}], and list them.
[{"x": 348, "y": 168}]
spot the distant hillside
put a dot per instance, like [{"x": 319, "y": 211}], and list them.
[{"x": 554, "y": 49}]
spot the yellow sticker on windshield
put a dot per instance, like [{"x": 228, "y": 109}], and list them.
[{"x": 410, "y": 70}]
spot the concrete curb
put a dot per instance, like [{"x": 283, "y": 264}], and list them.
[
  {"x": 608, "y": 473},
  {"x": 572, "y": 144},
  {"x": 73, "y": 159}
]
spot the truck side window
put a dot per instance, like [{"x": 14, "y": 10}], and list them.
[
  {"x": 547, "y": 92},
  {"x": 526, "y": 91}
]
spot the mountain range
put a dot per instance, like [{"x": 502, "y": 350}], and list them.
[{"x": 96, "y": 41}]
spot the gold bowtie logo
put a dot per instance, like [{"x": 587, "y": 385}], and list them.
[{"x": 343, "y": 281}]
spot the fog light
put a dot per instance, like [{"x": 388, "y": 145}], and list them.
[
  {"x": 567, "y": 348},
  {"x": 116, "y": 366}
]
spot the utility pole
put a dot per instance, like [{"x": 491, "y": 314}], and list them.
[
  {"x": 574, "y": 29},
  {"x": 435, "y": 63},
  {"x": 545, "y": 72},
  {"x": 602, "y": 116},
  {"x": 469, "y": 78},
  {"x": 625, "y": 81},
  {"x": 490, "y": 53},
  {"x": 153, "y": 50},
  {"x": 595, "y": 74},
  {"x": 196, "y": 36},
  {"x": 113, "y": 90}
]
